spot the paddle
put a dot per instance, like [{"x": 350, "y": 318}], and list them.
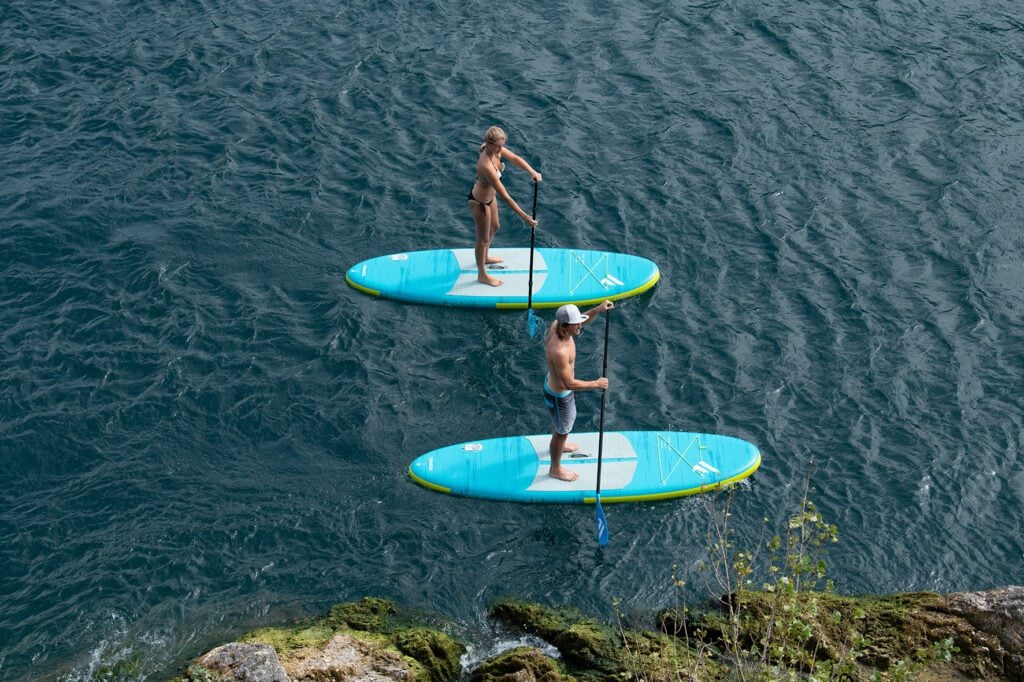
[
  {"x": 533, "y": 323},
  {"x": 602, "y": 522}
]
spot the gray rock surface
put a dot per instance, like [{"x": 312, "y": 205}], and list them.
[
  {"x": 1000, "y": 614},
  {"x": 245, "y": 663}
]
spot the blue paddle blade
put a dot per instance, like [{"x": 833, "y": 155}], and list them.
[
  {"x": 602, "y": 525},
  {"x": 534, "y": 325}
]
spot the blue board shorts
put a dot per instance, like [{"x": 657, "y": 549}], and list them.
[{"x": 562, "y": 407}]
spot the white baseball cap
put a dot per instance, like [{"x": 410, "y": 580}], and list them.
[{"x": 570, "y": 314}]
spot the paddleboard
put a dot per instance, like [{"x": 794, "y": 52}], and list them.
[
  {"x": 636, "y": 466},
  {"x": 449, "y": 277}
]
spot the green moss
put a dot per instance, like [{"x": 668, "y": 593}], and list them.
[
  {"x": 370, "y": 615},
  {"x": 583, "y": 642},
  {"x": 287, "y": 639},
  {"x": 533, "y": 618},
  {"x": 197, "y": 673},
  {"x": 437, "y": 652},
  {"x": 522, "y": 662},
  {"x": 588, "y": 644}
]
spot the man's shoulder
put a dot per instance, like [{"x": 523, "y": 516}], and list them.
[{"x": 557, "y": 346}]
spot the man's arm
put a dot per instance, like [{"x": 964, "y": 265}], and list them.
[
  {"x": 594, "y": 312},
  {"x": 563, "y": 370}
]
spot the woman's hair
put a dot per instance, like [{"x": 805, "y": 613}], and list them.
[{"x": 494, "y": 134}]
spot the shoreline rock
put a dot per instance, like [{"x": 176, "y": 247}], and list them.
[{"x": 928, "y": 636}]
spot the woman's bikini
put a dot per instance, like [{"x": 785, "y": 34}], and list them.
[{"x": 484, "y": 182}]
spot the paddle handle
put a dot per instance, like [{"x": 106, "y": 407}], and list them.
[
  {"x": 533, "y": 236},
  {"x": 604, "y": 392}
]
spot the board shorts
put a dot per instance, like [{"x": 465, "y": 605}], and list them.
[{"x": 562, "y": 407}]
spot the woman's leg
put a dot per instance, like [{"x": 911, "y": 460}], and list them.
[
  {"x": 495, "y": 226},
  {"x": 482, "y": 218}
]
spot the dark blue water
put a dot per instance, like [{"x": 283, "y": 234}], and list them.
[{"x": 203, "y": 429}]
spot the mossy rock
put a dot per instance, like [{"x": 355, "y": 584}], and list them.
[
  {"x": 287, "y": 639},
  {"x": 521, "y": 664},
  {"x": 889, "y": 625},
  {"x": 371, "y": 614},
  {"x": 436, "y": 651},
  {"x": 915, "y": 631},
  {"x": 583, "y": 642},
  {"x": 657, "y": 656},
  {"x": 197, "y": 673}
]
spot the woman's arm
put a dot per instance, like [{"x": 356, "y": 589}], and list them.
[
  {"x": 507, "y": 153},
  {"x": 500, "y": 190}
]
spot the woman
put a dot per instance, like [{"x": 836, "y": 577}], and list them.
[{"x": 481, "y": 198}]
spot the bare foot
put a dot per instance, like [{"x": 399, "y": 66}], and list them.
[
  {"x": 491, "y": 281},
  {"x": 563, "y": 474},
  {"x": 494, "y": 259},
  {"x": 570, "y": 447}
]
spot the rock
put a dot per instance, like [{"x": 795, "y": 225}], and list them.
[
  {"x": 582, "y": 642},
  {"x": 521, "y": 664},
  {"x": 435, "y": 651},
  {"x": 998, "y": 613},
  {"x": 924, "y": 635},
  {"x": 346, "y": 658},
  {"x": 370, "y": 614},
  {"x": 236, "y": 662}
]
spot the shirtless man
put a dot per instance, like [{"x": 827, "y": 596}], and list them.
[
  {"x": 561, "y": 383},
  {"x": 489, "y": 166}
]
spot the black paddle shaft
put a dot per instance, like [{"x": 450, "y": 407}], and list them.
[
  {"x": 604, "y": 392},
  {"x": 533, "y": 236}
]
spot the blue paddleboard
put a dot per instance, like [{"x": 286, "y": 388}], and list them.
[
  {"x": 449, "y": 277},
  {"x": 636, "y": 466}
]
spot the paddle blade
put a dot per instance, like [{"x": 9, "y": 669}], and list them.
[
  {"x": 602, "y": 525},
  {"x": 534, "y": 325}
]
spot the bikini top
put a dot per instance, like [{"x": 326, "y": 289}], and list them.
[{"x": 484, "y": 182}]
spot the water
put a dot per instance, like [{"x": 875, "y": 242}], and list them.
[{"x": 203, "y": 430}]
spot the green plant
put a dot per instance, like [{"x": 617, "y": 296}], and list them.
[{"x": 776, "y": 615}]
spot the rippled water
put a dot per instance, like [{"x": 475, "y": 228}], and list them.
[{"x": 203, "y": 429}]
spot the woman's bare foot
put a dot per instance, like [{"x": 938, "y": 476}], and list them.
[
  {"x": 570, "y": 447},
  {"x": 490, "y": 281},
  {"x": 491, "y": 260},
  {"x": 563, "y": 474}
]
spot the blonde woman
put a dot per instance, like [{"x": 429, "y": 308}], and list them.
[{"x": 482, "y": 206}]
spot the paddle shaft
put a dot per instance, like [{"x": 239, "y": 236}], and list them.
[
  {"x": 533, "y": 236},
  {"x": 604, "y": 392}
]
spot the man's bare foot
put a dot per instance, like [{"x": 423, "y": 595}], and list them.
[
  {"x": 490, "y": 281},
  {"x": 570, "y": 447},
  {"x": 563, "y": 474},
  {"x": 491, "y": 260}
]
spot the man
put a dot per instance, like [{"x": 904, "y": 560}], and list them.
[{"x": 561, "y": 383}]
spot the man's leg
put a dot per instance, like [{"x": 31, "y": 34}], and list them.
[{"x": 556, "y": 448}]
